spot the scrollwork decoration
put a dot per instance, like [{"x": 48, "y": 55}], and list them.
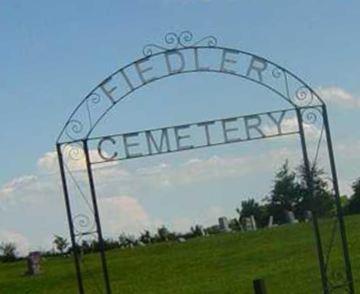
[
  {"x": 303, "y": 96},
  {"x": 77, "y": 128},
  {"x": 83, "y": 224},
  {"x": 276, "y": 72},
  {"x": 74, "y": 151},
  {"x": 175, "y": 41},
  {"x": 92, "y": 99},
  {"x": 74, "y": 128},
  {"x": 312, "y": 115}
]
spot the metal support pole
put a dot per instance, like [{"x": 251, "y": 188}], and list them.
[
  {"x": 259, "y": 286},
  {"x": 97, "y": 218},
  {"x": 310, "y": 186},
  {"x": 338, "y": 202},
  {"x": 70, "y": 220}
]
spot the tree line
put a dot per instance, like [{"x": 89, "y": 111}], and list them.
[{"x": 289, "y": 193}]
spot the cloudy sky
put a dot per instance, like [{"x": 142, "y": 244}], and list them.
[{"x": 54, "y": 53}]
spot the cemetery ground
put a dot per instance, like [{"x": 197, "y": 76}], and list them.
[{"x": 284, "y": 256}]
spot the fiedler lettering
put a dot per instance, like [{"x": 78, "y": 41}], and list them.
[{"x": 177, "y": 61}]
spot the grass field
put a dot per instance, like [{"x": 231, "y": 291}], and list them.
[{"x": 284, "y": 256}]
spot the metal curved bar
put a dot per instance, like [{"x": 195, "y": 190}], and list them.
[{"x": 276, "y": 73}]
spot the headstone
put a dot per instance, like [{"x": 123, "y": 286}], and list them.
[
  {"x": 271, "y": 221},
  {"x": 224, "y": 224},
  {"x": 248, "y": 224},
  {"x": 140, "y": 243},
  {"x": 253, "y": 222},
  {"x": 33, "y": 263},
  {"x": 290, "y": 216},
  {"x": 181, "y": 240},
  {"x": 308, "y": 215}
]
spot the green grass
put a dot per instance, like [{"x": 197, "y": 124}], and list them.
[{"x": 284, "y": 256}]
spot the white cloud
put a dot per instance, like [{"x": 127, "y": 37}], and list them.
[
  {"x": 349, "y": 150},
  {"x": 48, "y": 162},
  {"x": 198, "y": 170},
  {"x": 16, "y": 184},
  {"x": 339, "y": 96},
  {"x": 74, "y": 158},
  {"x": 125, "y": 214},
  {"x": 21, "y": 242}
]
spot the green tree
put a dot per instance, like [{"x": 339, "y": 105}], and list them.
[
  {"x": 60, "y": 243},
  {"x": 251, "y": 207},
  {"x": 163, "y": 234},
  {"x": 321, "y": 202},
  {"x": 285, "y": 194},
  {"x": 353, "y": 205},
  {"x": 8, "y": 251}
]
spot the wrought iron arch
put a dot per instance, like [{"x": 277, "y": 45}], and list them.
[
  {"x": 301, "y": 96},
  {"x": 259, "y": 70}
]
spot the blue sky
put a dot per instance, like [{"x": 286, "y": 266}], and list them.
[{"x": 54, "y": 53}]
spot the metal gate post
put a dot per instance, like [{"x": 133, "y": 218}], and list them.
[
  {"x": 340, "y": 215},
  {"x": 310, "y": 186},
  {"x": 97, "y": 218},
  {"x": 70, "y": 220}
]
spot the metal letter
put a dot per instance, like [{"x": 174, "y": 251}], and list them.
[
  {"x": 100, "y": 151},
  {"x": 108, "y": 92},
  {"x": 207, "y": 132},
  {"x": 127, "y": 145},
  {"x": 126, "y": 78},
  {"x": 151, "y": 141},
  {"x": 257, "y": 64},
  {"x": 180, "y": 137},
  {"x": 168, "y": 63},
  {"x": 277, "y": 122},
  {"x": 255, "y": 126},
  {"x": 227, "y": 130},
  {"x": 197, "y": 66},
  {"x": 228, "y": 60},
  {"x": 141, "y": 71}
]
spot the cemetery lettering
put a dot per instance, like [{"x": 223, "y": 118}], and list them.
[{"x": 191, "y": 136}]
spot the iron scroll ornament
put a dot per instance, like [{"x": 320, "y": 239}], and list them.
[
  {"x": 174, "y": 41},
  {"x": 260, "y": 70}
]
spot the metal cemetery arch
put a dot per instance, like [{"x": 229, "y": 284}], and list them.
[{"x": 181, "y": 55}]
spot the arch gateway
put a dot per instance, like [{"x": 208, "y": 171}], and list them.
[{"x": 78, "y": 149}]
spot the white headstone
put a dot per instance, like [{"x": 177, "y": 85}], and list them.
[
  {"x": 224, "y": 224},
  {"x": 181, "y": 240},
  {"x": 253, "y": 223},
  {"x": 290, "y": 216},
  {"x": 271, "y": 221},
  {"x": 248, "y": 224}
]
